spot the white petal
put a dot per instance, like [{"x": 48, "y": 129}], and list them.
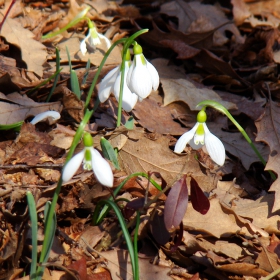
[
  {"x": 140, "y": 80},
  {"x": 107, "y": 83},
  {"x": 101, "y": 169},
  {"x": 83, "y": 46},
  {"x": 154, "y": 75},
  {"x": 107, "y": 41},
  {"x": 129, "y": 99},
  {"x": 131, "y": 69},
  {"x": 72, "y": 166},
  {"x": 48, "y": 114},
  {"x": 214, "y": 147},
  {"x": 185, "y": 139}
]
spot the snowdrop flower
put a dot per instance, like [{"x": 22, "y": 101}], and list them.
[
  {"x": 48, "y": 114},
  {"x": 92, "y": 160},
  {"x": 200, "y": 135},
  {"x": 142, "y": 76},
  {"x": 111, "y": 83},
  {"x": 93, "y": 38}
]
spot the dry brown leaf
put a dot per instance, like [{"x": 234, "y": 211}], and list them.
[
  {"x": 155, "y": 118},
  {"x": 240, "y": 11},
  {"x": 15, "y": 107},
  {"x": 268, "y": 126},
  {"x": 197, "y": 17},
  {"x": 119, "y": 265},
  {"x": 215, "y": 222},
  {"x": 178, "y": 88},
  {"x": 145, "y": 155},
  {"x": 243, "y": 269},
  {"x": 95, "y": 56},
  {"x": 259, "y": 211},
  {"x": 223, "y": 248},
  {"x": 236, "y": 144},
  {"x": 15, "y": 34}
]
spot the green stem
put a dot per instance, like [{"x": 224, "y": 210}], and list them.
[
  {"x": 57, "y": 76},
  {"x": 127, "y": 44},
  {"x": 34, "y": 233},
  {"x": 223, "y": 110},
  {"x": 136, "y": 276},
  {"x": 98, "y": 217},
  {"x": 126, "y": 234},
  {"x": 69, "y": 25},
  {"x": 272, "y": 275},
  {"x": 49, "y": 218}
]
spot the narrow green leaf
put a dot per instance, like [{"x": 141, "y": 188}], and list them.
[
  {"x": 126, "y": 234},
  {"x": 15, "y": 126},
  {"x": 34, "y": 232},
  {"x": 75, "y": 83},
  {"x": 48, "y": 238},
  {"x": 44, "y": 82},
  {"x": 98, "y": 217},
  {"x": 109, "y": 152},
  {"x": 57, "y": 76},
  {"x": 86, "y": 72}
]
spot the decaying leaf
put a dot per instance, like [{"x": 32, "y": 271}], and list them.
[
  {"x": 142, "y": 154},
  {"x": 215, "y": 222},
  {"x": 15, "y": 107},
  {"x": 268, "y": 126},
  {"x": 177, "y": 88},
  {"x": 15, "y": 34}
]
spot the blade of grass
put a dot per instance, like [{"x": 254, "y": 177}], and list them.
[
  {"x": 44, "y": 82},
  {"x": 109, "y": 152},
  {"x": 136, "y": 246},
  {"x": 126, "y": 234},
  {"x": 98, "y": 217},
  {"x": 74, "y": 82},
  {"x": 57, "y": 60},
  {"x": 34, "y": 232}
]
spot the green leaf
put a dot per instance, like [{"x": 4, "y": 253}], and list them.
[
  {"x": 75, "y": 87},
  {"x": 129, "y": 123},
  {"x": 109, "y": 152},
  {"x": 15, "y": 126},
  {"x": 34, "y": 232}
]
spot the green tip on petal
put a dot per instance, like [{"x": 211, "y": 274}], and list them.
[
  {"x": 137, "y": 49},
  {"x": 127, "y": 55},
  {"x": 93, "y": 32},
  {"x": 200, "y": 129},
  {"x": 201, "y": 116},
  {"x": 90, "y": 24},
  {"x": 88, "y": 141},
  {"x": 87, "y": 156}
]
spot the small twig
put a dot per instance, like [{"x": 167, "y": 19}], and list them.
[{"x": 5, "y": 16}]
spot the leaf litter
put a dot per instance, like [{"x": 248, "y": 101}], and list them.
[{"x": 224, "y": 53}]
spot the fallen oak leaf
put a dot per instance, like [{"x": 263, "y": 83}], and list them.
[
  {"x": 16, "y": 107},
  {"x": 268, "y": 127},
  {"x": 15, "y": 34}
]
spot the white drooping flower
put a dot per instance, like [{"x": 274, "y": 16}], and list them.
[
  {"x": 93, "y": 39},
  {"x": 53, "y": 115},
  {"x": 111, "y": 84},
  {"x": 200, "y": 135},
  {"x": 142, "y": 76},
  {"x": 92, "y": 160}
]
